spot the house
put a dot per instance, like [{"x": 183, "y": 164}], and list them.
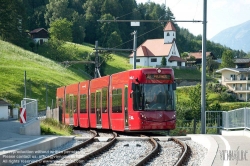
[
  {"x": 242, "y": 62},
  {"x": 237, "y": 80},
  {"x": 151, "y": 52},
  {"x": 4, "y": 110},
  {"x": 198, "y": 57},
  {"x": 39, "y": 35}
]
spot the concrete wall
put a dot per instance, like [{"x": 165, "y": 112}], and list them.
[
  {"x": 37, "y": 149},
  {"x": 31, "y": 128},
  {"x": 4, "y": 113}
]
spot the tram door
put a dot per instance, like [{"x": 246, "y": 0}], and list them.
[
  {"x": 126, "y": 107},
  {"x": 98, "y": 109}
]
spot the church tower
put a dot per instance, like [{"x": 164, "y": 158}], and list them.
[{"x": 169, "y": 33}]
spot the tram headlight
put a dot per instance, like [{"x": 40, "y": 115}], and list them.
[{"x": 143, "y": 116}]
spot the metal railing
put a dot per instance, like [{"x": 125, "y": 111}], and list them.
[
  {"x": 236, "y": 119},
  {"x": 31, "y": 107}
]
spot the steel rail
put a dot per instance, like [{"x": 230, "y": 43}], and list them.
[
  {"x": 184, "y": 154},
  {"x": 151, "y": 154},
  {"x": 80, "y": 161},
  {"x": 46, "y": 160}
]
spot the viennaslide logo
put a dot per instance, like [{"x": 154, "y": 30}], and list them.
[{"x": 233, "y": 155}]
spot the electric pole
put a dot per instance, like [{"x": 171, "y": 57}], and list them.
[{"x": 203, "y": 79}]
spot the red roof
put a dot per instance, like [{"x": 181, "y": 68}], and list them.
[
  {"x": 169, "y": 27},
  {"x": 197, "y": 55},
  {"x": 176, "y": 58},
  {"x": 153, "y": 47}
]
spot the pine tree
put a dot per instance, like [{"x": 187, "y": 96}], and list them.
[{"x": 163, "y": 61}]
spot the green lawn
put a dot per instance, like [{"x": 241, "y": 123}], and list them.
[{"x": 39, "y": 72}]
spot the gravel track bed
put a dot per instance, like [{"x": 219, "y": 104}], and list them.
[
  {"x": 75, "y": 155},
  {"x": 83, "y": 133},
  {"x": 168, "y": 155},
  {"x": 105, "y": 134},
  {"x": 122, "y": 153},
  {"x": 198, "y": 153}
]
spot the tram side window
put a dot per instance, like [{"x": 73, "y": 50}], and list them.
[
  {"x": 74, "y": 104},
  {"x": 67, "y": 103},
  {"x": 59, "y": 103},
  {"x": 137, "y": 98},
  {"x": 104, "y": 100},
  {"x": 117, "y": 101},
  {"x": 92, "y": 102},
  {"x": 83, "y": 103},
  {"x": 98, "y": 101}
]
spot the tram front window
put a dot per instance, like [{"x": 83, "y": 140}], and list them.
[{"x": 154, "y": 97}]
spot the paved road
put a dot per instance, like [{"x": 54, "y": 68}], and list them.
[
  {"x": 232, "y": 150},
  {"x": 10, "y": 139}
]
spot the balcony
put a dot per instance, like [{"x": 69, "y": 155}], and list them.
[{"x": 237, "y": 80}]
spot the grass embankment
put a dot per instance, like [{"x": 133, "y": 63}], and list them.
[
  {"x": 52, "y": 127},
  {"x": 39, "y": 72}
]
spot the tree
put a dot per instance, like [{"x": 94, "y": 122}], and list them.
[
  {"x": 184, "y": 55},
  {"x": 61, "y": 30},
  {"x": 227, "y": 59},
  {"x": 78, "y": 28},
  {"x": 114, "y": 40},
  {"x": 12, "y": 21},
  {"x": 163, "y": 61},
  {"x": 211, "y": 65},
  {"x": 56, "y": 9},
  {"x": 194, "y": 95},
  {"x": 32, "y": 45}
]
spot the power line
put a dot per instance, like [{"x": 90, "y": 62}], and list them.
[{"x": 115, "y": 20}]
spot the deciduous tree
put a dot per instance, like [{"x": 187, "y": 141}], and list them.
[
  {"x": 61, "y": 30},
  {"x": 227, "y": 59}
]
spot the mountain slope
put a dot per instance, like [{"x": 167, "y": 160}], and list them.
[{"x": 236, "y": 37}]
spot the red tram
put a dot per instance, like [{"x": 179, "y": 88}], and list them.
[{"x": 134, "y": 100}]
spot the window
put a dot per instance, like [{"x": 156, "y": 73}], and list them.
[
  {"x": 168, "y": 34},
  {"x": 67, "y": 103},
  {"x": 92, "y": 102},
  {"x": 74, "y": 103},
  {"x": 83, "y": 103},
  {"x": 137, "y": 60},
  {"x": 104, "y": 100},
  {"x": 117, "y": 101},
  {"x": 98, "y": 101},
  {"x": 153, "y": 60},
  {"x": 233, "y": 77},
  {"x": 60, "y": 102}
]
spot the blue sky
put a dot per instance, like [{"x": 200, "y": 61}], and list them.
[{"x": 221, "y": 14}]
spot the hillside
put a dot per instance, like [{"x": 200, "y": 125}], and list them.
[
  {"x": 40, "y": 71},
  {"x": 236, "y": 37}
]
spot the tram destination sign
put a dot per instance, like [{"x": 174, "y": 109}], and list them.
[{"x": 158, "y": 76}]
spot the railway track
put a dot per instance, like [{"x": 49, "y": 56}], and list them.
[
  {"x": 171, "y": 151},
  {"x": 136, "y": 151},
  {"x": 50, "y": 159}
]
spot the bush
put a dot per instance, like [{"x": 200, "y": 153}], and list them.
[{"x": 227, "y": 97}]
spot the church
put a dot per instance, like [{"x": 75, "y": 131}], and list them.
[{"x": 151, "y": 52}]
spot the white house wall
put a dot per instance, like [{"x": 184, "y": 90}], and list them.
[
  {"x": 240, "y": 87},
  {"x": 146, "y": 61},
  {"x": 36, "y": 40},
  {"x": 4, "y": 112}
]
